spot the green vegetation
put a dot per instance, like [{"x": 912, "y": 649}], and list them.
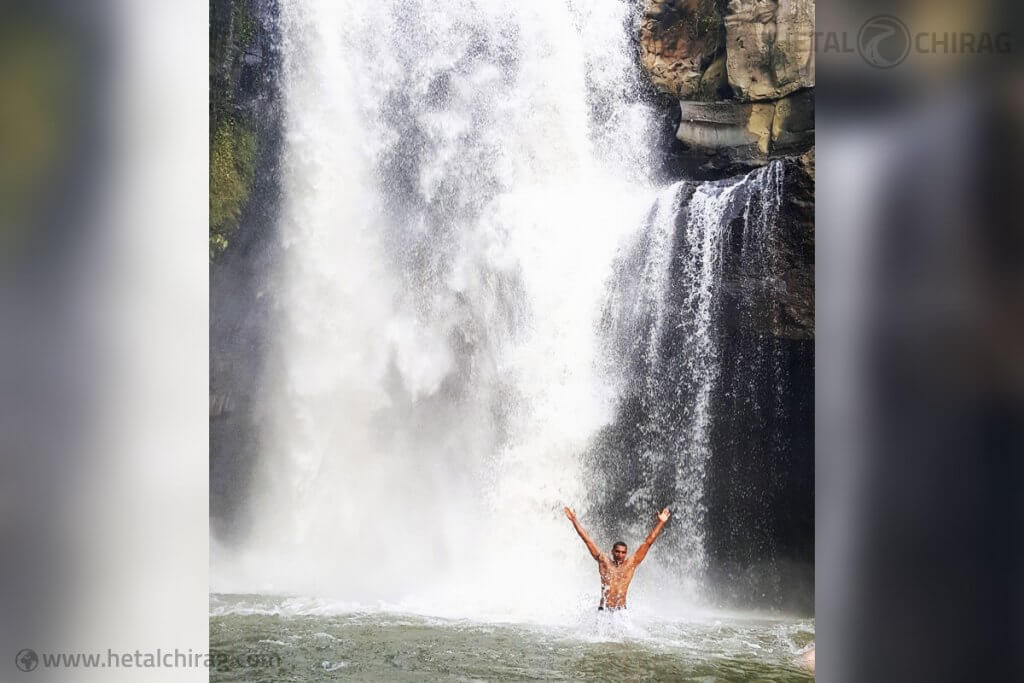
[
  {"x": 232, "y": 166},
  {"x": 244, "y": 24},
  {"x": 233, "y": 142}
]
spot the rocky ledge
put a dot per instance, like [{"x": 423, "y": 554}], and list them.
[{"x": 743, "y": 73}]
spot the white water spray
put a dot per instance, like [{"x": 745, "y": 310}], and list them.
[{"x": 457, "y": 179}]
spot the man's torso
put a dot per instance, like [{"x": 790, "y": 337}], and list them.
[{"x": 615, "y": 581}]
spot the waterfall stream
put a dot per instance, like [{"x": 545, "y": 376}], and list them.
[{"x": 664, "y": 324}]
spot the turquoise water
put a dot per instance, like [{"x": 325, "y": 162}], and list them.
[{"x": 263, "y": 638}]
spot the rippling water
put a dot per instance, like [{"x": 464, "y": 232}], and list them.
[{"x": 311, "y": 640}]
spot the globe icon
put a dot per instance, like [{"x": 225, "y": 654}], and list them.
[{"x": 27, "y": 660}]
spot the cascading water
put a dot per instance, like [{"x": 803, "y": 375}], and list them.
[
  {"x": 452, "y": 331},
  {"x": 456, "y": 183},
  {"x": 666, "y": 314}
]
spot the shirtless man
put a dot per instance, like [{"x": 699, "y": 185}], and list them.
[{"x": 617, "y": 571}]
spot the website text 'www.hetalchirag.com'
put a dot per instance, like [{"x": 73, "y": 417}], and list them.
[{"x": 29, "y": 660}]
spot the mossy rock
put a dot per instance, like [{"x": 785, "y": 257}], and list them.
[
  {"x": 232, "y": 169},
  {"x": 245, "y": 26}
]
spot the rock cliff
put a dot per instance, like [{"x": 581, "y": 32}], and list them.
[
  {"x": 743, "y": 73},
  {"x": 245, "y": 139}
]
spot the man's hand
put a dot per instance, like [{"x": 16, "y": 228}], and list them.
[
  {"x": 641, "y": 552},
  {"x": 570, "y": 514}
]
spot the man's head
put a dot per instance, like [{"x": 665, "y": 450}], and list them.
[{"x": 619, "y": 552}]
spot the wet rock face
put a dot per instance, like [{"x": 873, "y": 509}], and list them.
[
  {"x": 244, "y": 63},
  {"x": 758, "y": 482},
  {"x": 777, "y": 295}
]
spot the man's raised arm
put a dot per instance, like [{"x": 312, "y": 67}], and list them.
[
  {"x": 591, "y": 546},
  {"x": 641, "y": 552}
]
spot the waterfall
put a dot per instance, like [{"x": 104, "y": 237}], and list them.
[
  {"x": 665, "y": 311},
  {"x": 459, "y": 342},
  {"x": 457, "y": 178}
]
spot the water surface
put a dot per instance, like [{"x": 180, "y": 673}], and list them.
[{"x": 310, "y": 640}]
